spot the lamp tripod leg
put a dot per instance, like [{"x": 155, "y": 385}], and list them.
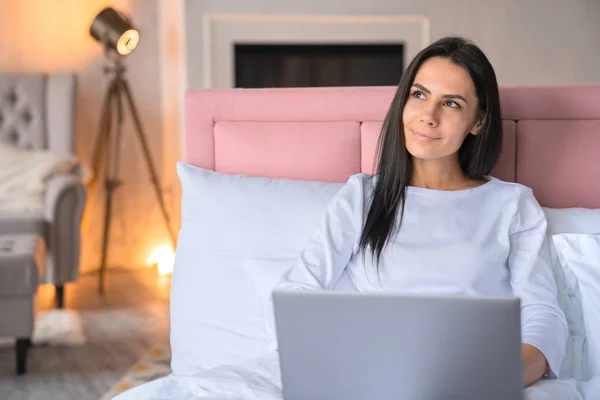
[
  {"x": 105, "y": 234},
  {"x": 117, "y": 88},
  {"x": 148, "y": 159},
  {"x": 104, "y": 128},
  {"x": 110, "y": 181},
  {"x": 100, "y": 142}
]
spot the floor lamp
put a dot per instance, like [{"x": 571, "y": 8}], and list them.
[{"x": 119, "y": 38}]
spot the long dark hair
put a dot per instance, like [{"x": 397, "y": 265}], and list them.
[{"x": 477, "y": 155}]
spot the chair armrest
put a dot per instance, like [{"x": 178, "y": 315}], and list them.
[{"x": 64, "y": 204}]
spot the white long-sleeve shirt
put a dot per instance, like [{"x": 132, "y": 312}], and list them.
[{"x": 488, "y": 240}]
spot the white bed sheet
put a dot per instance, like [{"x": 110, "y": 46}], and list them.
[{"x": 259, "y": 379}]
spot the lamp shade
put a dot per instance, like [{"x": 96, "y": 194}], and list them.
[{"x": 115, "y": 31}]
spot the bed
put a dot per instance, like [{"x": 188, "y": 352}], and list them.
[{"x": 261, "y": 165}]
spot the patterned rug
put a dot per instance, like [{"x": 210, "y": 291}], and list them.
[{"x": 153, "y": 365}]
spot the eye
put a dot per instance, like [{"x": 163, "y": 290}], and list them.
[
  {"x": 452, "y": 104},
  {"x": 418, "y": 94}
]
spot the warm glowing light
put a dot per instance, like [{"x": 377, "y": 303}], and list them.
[
  {"x": 164, "y": 257},
  {"x": 128, "y": 41}
]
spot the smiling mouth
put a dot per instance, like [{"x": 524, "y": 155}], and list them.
[{"x": 423, "y": 136}]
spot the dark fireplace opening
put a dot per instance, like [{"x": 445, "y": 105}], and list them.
[{"x": 317, "y": 65}]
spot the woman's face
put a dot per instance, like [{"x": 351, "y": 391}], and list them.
[{"x": 441, "y": 110}]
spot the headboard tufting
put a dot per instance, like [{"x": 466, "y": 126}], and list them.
[{"x": 551, "y": 135}]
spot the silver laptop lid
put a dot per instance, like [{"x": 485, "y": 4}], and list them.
[{"x": 350, "y": 346}]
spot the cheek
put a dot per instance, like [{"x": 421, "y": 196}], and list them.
[
  {"x": 455, "y": 125},
  {"x": 410, "y": 113}
]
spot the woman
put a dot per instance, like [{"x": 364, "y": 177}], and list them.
[{"x": 431, "y": 219}]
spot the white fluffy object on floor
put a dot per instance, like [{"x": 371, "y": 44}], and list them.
[{"x": 58, "y": 328}]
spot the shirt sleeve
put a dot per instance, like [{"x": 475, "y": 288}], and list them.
[
  {"x": 322, "y": 262},
  {"x": 543, "y": 324}
]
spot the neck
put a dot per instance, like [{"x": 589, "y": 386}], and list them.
[{"x": 443, "y": 174}]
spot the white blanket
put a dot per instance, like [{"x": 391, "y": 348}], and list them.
[
  {"x": 23, "y": 176},
  {"x": 260, "y": 380},
  {"x": 254, "y": 380}
]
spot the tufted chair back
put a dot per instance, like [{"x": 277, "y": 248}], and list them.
[{"x": 37, "y": 111}]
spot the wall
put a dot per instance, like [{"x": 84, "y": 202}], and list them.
[
  {"x": 173, "y": 82},
  {"x": 53, "y": 36},
  {"x": 528, "y": 42}
]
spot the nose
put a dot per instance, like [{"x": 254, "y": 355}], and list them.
[{"x": 429, "y": 117}]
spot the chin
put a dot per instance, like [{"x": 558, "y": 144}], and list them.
[{"x": 422, "y": 154}]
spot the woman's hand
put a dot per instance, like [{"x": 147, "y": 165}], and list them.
[{"x": 535, "y": 364}]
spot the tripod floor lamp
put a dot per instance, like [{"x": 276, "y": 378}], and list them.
[{"x": 119, "y": 38}]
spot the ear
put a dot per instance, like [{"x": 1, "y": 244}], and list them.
[{"x": 478, "y": 124}]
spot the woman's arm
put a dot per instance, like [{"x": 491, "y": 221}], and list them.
[
  {"x": 329, "y": 249},
  {"x": 543, "y": 324}
]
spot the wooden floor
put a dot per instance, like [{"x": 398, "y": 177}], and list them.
[{"x": 120, "y": 326}]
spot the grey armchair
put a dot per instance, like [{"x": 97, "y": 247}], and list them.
[{"x": 37, "y": 112}]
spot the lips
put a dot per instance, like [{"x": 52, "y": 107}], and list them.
[{"x": 424, "y": 137}]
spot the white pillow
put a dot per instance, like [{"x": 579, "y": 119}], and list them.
[
  {"x": 571, "y": 220},
  {"x": 580, "y": 254},
  {"x": 252, "y": 217},
  {"x": 265, "y": 274},
  {"x": 227, "y": 219}
]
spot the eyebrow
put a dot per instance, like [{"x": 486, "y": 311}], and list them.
[{"x": 446, "y": 96}]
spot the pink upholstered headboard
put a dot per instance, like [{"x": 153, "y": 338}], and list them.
[{"x": 551, "y": 135}]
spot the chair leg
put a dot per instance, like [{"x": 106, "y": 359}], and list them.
[
  {"x": 60, "y": 296},
  {"x": 22, "y": 346}
]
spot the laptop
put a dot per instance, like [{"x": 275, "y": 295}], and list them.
[{"x": 336, "y": 345}]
